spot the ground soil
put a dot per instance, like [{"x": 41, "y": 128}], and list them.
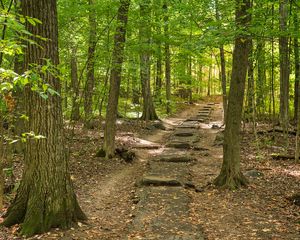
[{"x": 106, "y": 189}]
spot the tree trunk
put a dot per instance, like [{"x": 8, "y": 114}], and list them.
[
  {"x": 250, "y": 90},
  {"x": 297, "y": 67},
  {"x": 2, "y": 161},
  {"x": 297, "y": 80},
  {"x": 189, "y": 70},
  {"x": 75, "y": 113},
  {"x": 115, "y": 79},
  {"x": 284, "y": 65},
  {"x": 209, "y": 79},
  {"x": 90, "y": 77},
  {"x": 167, "y": 58},
  {"x": 224, "y": 81},
  {"x": 231, "y": 176},
  {"x": 145, "y": 64},
  {"x": 261, "y": 77},
  {"x": 45, "y": 197},
  {"x": 158, "y": 79}
]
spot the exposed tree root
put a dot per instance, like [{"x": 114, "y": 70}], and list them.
[{"x": 231, "y": 181}]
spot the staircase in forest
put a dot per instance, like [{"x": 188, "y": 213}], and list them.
[{"x": 163, "y": 208}]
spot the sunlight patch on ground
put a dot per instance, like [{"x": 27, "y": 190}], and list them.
[{"x": 293, "y": 173}]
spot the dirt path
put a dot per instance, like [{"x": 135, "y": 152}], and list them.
[{"x": 119, "y": 209}]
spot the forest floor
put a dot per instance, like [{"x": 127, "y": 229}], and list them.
[{"x": 107, "y": 190}]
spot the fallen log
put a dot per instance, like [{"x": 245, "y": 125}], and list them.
[
  {"x": 278, "y": 130},
  {"x": 282, "y": 157}
]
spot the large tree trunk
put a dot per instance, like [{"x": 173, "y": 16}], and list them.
[
  {"x": 167, "y": 58},
  {"x": 284, "y": 64},
  {"x": 90, "y": 77},
  {"x": 75, "y": 113},
  {"x": 145, "y": 64},
  {"x": 231, "y": 175},
  {"x": 115, "y": 79},
  {"x": 45, "y": 197}
]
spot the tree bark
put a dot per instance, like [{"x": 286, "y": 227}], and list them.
[
  {"x": 223, "y": 67},
  {"x": 145, "y": 64},
  {"x": 90, "y": 77},
  {"x": 115, "y": 79},
  {"x": 45, "y": 197},
  {"x": 159, "y": 71},
  {"x": 284, "y": 64},
  {"x": 261, "y": 77},
  {"x": 231, "y": 176},
  {"x": 297, "y": 67},
  {"x": 167, "y": 58},
  {"x": 297, "y": 87},
  {"x": 75, "y": 113}
]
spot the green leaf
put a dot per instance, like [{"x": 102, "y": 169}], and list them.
[
  {"x": 31, "y": 21},
  {"x": 38, "y": 137},
  {"x": 44, "y": 95},
  {"x": 52, "y": 92}
]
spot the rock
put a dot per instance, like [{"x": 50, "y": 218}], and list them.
[
  {"x": 198, "y": 148},
  {"x": 253, "y": 174},
  {"x": 100, "y": 153},
  {"x": 204, "y": 111},
  {"x": 180, "y": 145},
  {"x": 156, "y": 125},
  {"x": 125, "y": 154},
  {"x": 199, "y": 189},
  {"x": 189, "y": 185},
  {"x": 295, "y": 199},
  {"x": 202, "y": 116},
  {"x": 214, "y": 126},
  {"x": 159, "y": 181},
  {"x": 150, "y": 127},
  {"x": 175, "y": 158},
  {"x": 219, "y": 139},
  {"x": 184, "y": 134},
  {"x": 159, "y": 125},
  {"x": 144, "y": 146}
]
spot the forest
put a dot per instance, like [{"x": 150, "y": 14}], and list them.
[{"x": 150, "y": 119}]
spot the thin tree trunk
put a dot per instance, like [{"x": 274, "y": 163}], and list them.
[
  {"x": 297, "y": 67},
  {"x": 231, "y": 175},
  {"x": 209, "y": 79},
  {"x": 75, "y": 113},
  {"x": 224, "y": 81},
  {"x": 45, "y": 197},
  {"x": 297, "y": 79},
  {"x": 190, "y": 90},
  {"x": 261, "y": 77},
  {"x": 115, "y": 79},
  {"x": 284, "y": 65},
  {"x": 201, "y": 80},
  {"x": 2, "y": 161},
  {"x": 145, "y": 64},
  {"x": 90, "y": 77},
  {"x": 158, "y": 79},
  {"x": 250, "y": 92},
  {"x": 167, "y": 58}
]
